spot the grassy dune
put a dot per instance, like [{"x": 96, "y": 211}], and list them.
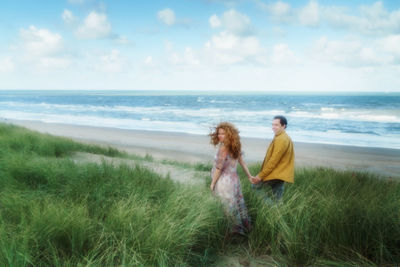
[
  {"x": 58, "y": 212},
  {"x": 329, "y": 217},
  {"x": 55, "y": 212}
]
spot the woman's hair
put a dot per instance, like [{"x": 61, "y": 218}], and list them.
[{"x": 232, "y": 139}]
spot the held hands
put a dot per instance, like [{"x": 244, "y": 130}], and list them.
[{"x": 254, "y": 179}]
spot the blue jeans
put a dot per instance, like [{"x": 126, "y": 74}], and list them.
[{"x": 277, "y": 187}]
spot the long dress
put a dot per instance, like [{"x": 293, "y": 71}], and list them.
[{"x": 228, "y": 189}]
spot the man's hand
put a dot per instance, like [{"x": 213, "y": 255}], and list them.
[{"x": 255, "y": 180}]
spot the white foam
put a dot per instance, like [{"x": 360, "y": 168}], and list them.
[
  {"x": 352, "y": 139},
  {"x": 363, "y": 115},
  {"x": 246, "y": 129}
]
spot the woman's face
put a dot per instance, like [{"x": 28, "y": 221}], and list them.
[{"x": 221, "y": 135}]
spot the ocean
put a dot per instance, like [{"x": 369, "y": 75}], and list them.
[{"x": 357, "y": 119}]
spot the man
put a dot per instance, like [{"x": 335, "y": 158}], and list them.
[{"x": 278, "y": 165}]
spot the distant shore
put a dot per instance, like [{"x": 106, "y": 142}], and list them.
[{"x": 196, "y": 148}]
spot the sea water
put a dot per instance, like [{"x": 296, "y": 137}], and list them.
[{"x": 357, "y": 119}]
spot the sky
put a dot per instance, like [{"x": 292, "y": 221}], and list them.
[{"x": 217, "y": 45}]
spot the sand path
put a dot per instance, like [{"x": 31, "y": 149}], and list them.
[{"x": 175, "y": 172}]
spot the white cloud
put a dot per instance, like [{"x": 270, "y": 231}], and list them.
[
  {"x": 214, "y": 21},
  {"x": 279, "y": 11},
  {"x": 372, "y": 19},
  {"x": 227, "y": 48},
  {"x": 283, "y": 55},
  {"x": 111, "y": 63},
  {"x": 235, "y": 44},
  {"x": 53, "y": 63},
  {"x": 374, "y": 11},
  {"x": 95, "y": 26},
  {"x": 167, "y": 16},
  {"x": 226, "y": 2},
  {"x": 169, "y": 46},
  {"x": 40, "y": 42},
  {"x": 310, "y": 14},
  {"x": 352, "y": 53},
  {"x": 335, "y": 51},
  {"x": 391, "y": 44},
  {"x": 237, "y": 23},
  {"x": 75, "y": 2},
  {"x": 122, "y": 40},
  {"x": 68, "y": 17},
  {"x": 279, "y": 31},
  {"x": 148, "y": 60},
  {"x": 42, "y": 49},
  {"x": 188, "y": 58},
  {"x": 223, "y": 49},
  {"x": 7, "y": 65},
  {"x": 337, "y": 17}
]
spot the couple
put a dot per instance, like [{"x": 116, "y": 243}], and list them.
[{"x": 277, "y": 168}]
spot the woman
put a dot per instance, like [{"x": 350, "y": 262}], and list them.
[{"x": 225, "y": 181}]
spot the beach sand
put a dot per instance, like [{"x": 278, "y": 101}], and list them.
[{"x": 196, "y": 148}]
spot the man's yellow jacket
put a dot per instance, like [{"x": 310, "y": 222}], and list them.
[{"x": 279, "y": 160}]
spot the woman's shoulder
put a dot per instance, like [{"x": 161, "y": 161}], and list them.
[{"x": 223, "y": 150}]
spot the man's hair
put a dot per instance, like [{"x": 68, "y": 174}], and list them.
[{"x": 282, "y": 120}]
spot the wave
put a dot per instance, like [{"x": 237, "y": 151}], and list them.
[
  {"x": 348, "y": 139},
  {"x": 381, "y": 116},
  {"x": 121, "y": 123},
  {"x": 203, "y": 128},
  {"x": 362, "y": 115},
  {"x": 148, "y": 111},
  {"x": 237, "y": 114}
]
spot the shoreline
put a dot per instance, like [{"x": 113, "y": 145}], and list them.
[{"x": 196, "y": 148}]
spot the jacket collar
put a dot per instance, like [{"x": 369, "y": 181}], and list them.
[{"x": 283, "y": 131}]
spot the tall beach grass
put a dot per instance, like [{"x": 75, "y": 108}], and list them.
[
  {"x": 55, "y": 211},
  {"x": 329, "y": 217}
]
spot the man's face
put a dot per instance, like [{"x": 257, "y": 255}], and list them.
[{"x": 277, "y": 127}]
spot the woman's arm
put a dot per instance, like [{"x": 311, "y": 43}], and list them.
[
  {"x": 244, "y": 166},
  {"x": 215, "y": 178},
  {"x": 222, "y": 154}
]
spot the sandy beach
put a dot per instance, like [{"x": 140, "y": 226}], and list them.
[{"x": 196, "y": 148}]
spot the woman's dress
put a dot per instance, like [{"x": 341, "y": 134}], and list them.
[{"x": 228, "y": 189}]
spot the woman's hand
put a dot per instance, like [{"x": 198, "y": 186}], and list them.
[{"x": 212, "y": 186}]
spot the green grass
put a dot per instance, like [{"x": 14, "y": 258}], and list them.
[
  {"x": 14, "y": 139},
  {"x": 205, "y": 167},
  {"x": 329, "y": 217},
  {"x": 56, "y": 212}
]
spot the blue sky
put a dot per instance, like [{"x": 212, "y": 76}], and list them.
[{"x": 236, "y": 45}]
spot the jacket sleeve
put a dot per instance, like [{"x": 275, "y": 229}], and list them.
[{"x": 280, "y": 147}]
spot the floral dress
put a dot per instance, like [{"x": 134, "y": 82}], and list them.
[{"x": 228, "y": 189}]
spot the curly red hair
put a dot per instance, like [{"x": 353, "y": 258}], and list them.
[{"x": 232, "y": 139}]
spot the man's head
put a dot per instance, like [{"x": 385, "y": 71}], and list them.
[{"x": 279, "y": 124}]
